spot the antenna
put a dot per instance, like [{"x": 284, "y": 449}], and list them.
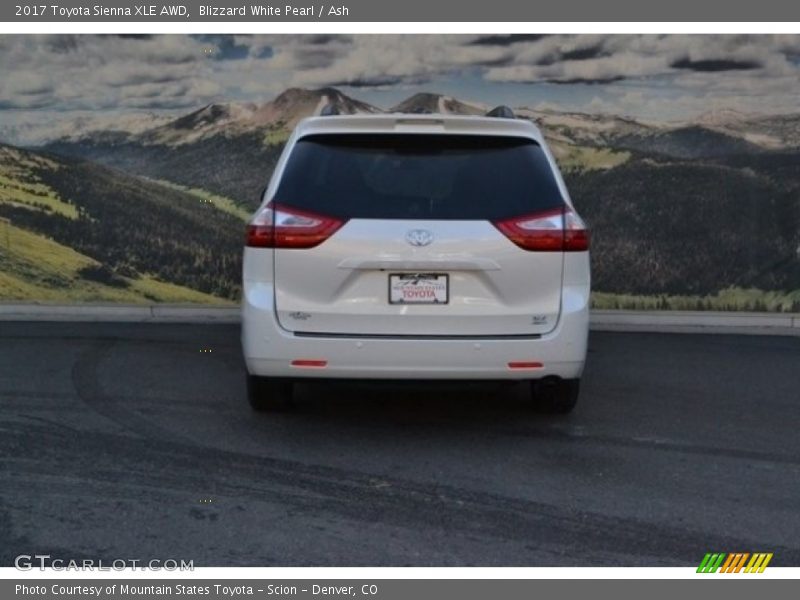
[{"x": 329, "y": 110}]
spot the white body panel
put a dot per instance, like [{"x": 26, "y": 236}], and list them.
[
  {"x": 269, "y": 349},
  {"x": 342, "y": 286}
]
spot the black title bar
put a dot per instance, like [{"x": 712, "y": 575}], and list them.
[{"x": 210, "y": 11}]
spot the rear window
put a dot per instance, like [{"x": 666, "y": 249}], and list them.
[{"x": 411, "y": 176}]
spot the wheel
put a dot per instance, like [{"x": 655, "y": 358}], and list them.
[
  {"x": 268, "y": 394},
  {"x": 555, "y": 396}
]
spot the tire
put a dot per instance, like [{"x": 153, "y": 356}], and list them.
[
  {"x": 266, "y": 394},
  {"x": 555, "y": 396}
]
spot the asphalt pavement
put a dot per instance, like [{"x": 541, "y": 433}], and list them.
[{"x": 135, "y": 441}]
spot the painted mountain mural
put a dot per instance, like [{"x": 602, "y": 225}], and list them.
[{"x": 701, "y": 212}]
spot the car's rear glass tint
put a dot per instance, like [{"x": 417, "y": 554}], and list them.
[{"x": 412, "y": 176}]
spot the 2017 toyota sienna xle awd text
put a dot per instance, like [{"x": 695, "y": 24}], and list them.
[{"x": 408, "y": 246}]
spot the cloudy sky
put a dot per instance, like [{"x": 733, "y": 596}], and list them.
[{"x": 48, "y": 79}]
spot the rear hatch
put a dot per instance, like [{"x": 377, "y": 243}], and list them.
[{"x": 419, "y": 235}]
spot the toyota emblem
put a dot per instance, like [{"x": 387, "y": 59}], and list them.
[{"x": 419, "y": 237}]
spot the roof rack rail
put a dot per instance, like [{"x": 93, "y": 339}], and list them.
[
  {"x": 329, "y": 110},
  {"x": 501, "y": 112}
]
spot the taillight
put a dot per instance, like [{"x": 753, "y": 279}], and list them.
[
  {"x": 278, "y": 226},
  {"x": 576, "y": 234},
  {"x": 557, "y": 230}
]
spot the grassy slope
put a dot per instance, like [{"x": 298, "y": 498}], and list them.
[
  {"x": 276, "y": 137},
  {"x": 21, "y": 187},
  {"x": 205, "y": 197},
  {"x": 34, "y": 268},
  {"x": 586, "y": 158},
  {"x": 731, "y": 299}
]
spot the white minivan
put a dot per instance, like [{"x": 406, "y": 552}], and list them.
[{"x": 416, "y": 246}]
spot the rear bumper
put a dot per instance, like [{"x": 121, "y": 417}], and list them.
[{"x": 269, "y": 349}]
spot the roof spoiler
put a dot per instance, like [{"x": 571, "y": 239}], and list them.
[{"x": 499, "y": 112}]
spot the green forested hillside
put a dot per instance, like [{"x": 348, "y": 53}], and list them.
[
  {"x": 35, "y": 268},
  {"x": 680, "y": 216},
  {"x": 73, "y": 229},
  {"x": 689, "y": 228},
  {"x": 660, "y": 226},
  {"x": 236, "y": 167}
]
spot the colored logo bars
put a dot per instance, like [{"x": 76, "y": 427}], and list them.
[{"x": 735, "y": 562}]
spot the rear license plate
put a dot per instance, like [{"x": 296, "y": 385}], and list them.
[{"x": 418, "y": 288}]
